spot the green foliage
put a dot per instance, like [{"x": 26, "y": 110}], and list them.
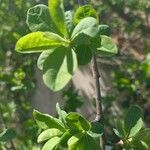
[
  {"x": 58, "y": 72},
  {"x": 39, "y": 19},
  {"x": 7, "y": 135},
  {"x": 70, "y": 130},
  {"x": 63, "y": 52},
  {"x": 130, "y": 130},
  {"x": 57, "y": 13},
  {"x": 108, "y": 47},
  {"x": 83, "y": 12},
  {"x": 39, "y": 41}
]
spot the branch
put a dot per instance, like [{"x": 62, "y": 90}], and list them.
[{"x": 96, "y": 76}]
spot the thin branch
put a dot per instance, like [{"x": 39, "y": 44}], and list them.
[
  {"x": 96, "y": 77},
  {"x": 99, "y": 112}
]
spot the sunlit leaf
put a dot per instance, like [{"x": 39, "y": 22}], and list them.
[
  {"x": 48, "y": 134},
  {"x": 57, "y": 13},
  {"x": 46, "y": 121},
  {"x": 51, "y": 144},
  {"x": 39, "y": 41}
]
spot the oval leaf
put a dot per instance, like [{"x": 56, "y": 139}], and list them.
[
  {"x": 86, "y": 26},
  {"x": 108, "y": 47},
  {"x": 133, "y": 121},
  {"x": 51, "y": 144},
  {"x": 39, "y": 41},
  {"x": 38, "y": 19},
  {"x": 83, "y": 12},
  {"x": 77, "y": 122},
  {"x": 59, "y": 68},
  {"x": 48, "y": 134},
  {"x": 46, "y": 121},
  {"x": 57, "y": 13}
]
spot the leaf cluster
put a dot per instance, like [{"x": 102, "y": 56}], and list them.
[
  {"x": 129, "y": 131},
  {"x": 66, "y": 40},
  {"x": 71, "y": 130}
]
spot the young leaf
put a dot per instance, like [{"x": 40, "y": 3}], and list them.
[
  {"x": 104, "y": 30},
  {"x": 56, "y": 9},
  {"x": 83, "y": 12},
  {"x": 43, "y": 57},
  {"x": 133, "y": 121},
  {"x": 48, "y": 134},
  {"x": 84, "y": 54},
  {"x": 7, "y": 134},
  {"x": 76, "y": 122},
  {"x": 46, "y": 121},
  {"x": 38, "y": 19},
  {"x": 51, "y": 144},
  {"x": 59, "y": 68},
  {"x": 83, "y": 142},
  {"x": 108, "y": 47},
  {"x": 87, "y": 26},
  {"x": 39, "y": 41},
  {"x": 62, "y": 114},
  {"x": 96, "y": 130}
]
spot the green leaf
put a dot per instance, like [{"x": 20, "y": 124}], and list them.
[
  {"x": 57, "y": 13},
  {"x": 83, "y": 12},
  {"x": 87, "y": 28},
  {"x": 59, "y": 68},
  {"x": 83, "y": 142},
  {"x": 133, "y": 121},
  {"x": 143, "y": 136},
  {"x": 108, "y": 47},
  {"x": 65, "y": 137},
  {"x": 69, "y": 21},
  {"x": 7, "y": 135},
  {"x": 46, "y": 121},
  {"x": 62, "y": 114},
  {"x": 51, "y": 144},
  {"x": 38, "y": 19},
  {"x": 119, "y": 131},
  {"x": 48, "y": 134},
  {"x": 96, "y": 130},
  {"x": 39, "y": 41},
  {"x": 73, "y": 141},
  {"x": 43, "y": 57},
  {"x": 76, "y": 122},
  {"x": 84, "y": 54},
  {"x": 104, "y": 30},
  {"x": 139, "y": 145}
]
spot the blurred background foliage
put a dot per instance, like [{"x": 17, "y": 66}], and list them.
[{"x": 130, "y": 69}]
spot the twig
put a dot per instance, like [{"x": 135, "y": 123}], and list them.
[
  {"x": 99, "y": 112},
  {"x": 96, "y": 76}
]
